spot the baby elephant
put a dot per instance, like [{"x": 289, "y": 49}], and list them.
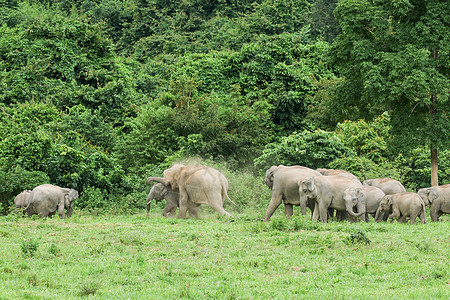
[
  {"x": 159, "y": 192},
  {"x": 22, "y": 200},
  {"x": 403, "y": 205}
]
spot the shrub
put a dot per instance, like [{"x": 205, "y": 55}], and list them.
[
  {"x": 357, "y": 238},
  {"x": 29, "y": 247},
  {"x": 315, "y": 149}
]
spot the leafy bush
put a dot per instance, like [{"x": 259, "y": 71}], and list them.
[
  {"x": 368, "y": 139},
  {"x": 29, "y": 247},
  {"x": 315, "y": 149},
  {"x": 357, "y": 238}
]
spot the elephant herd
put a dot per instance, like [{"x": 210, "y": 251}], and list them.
[
  {"x": 44, "y": 200},
  {"x": 325, "y": 192}
]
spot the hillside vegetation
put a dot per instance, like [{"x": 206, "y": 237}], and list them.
[{"x": 98, "y": 95}]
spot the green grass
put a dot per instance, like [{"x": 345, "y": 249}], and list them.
[{"x": 135, "y": 257}]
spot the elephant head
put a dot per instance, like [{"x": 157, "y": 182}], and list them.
[
  {"x": 355, "y": 197},
  {"x": 171, "y": 176},
  {"x": 69, "y": 196},
  {"x": 22, "y": 200},
  {"x": 384, "y": 207},
  {"x": 158, "y": 192},
  {"x": 268, "y": 180},
  {"x": 307, "y": 190},
  {"x": 428, "y": 195}
]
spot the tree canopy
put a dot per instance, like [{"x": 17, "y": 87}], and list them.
[
  {"x": 394, "y": 56},
  {"x": 96, "y": 95}
]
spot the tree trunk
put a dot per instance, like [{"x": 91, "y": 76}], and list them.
[
  {"x": 434, "y": 152},
  {"x": 434, "y": 167}
]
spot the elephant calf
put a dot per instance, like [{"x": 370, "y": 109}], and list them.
[
  {"x": 159, "y": 192},
  {"x": 366, "y": 199},
  {"x": 403, "y": 205},
  {"x": 22, "y": 200}
]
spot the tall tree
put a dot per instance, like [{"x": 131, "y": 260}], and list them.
[{"x": 394, "y": 55}]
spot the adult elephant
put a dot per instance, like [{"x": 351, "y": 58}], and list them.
[
  {"x": 439, "y": 199},
  {"x": 46, "y": 199},
  {"x": 403, "y": 205},
  {"x": 366, "y": 199},
  {"x": 332, "y": 172},
  {"x": 196, "y": 185},
  {"x": 388, "y": 185},
  {"x": 22, "y": 200},
  {"x": 282, "y": 180},
  {"x": 328, "y": 192},
  {"x": 159, "y": 192}
]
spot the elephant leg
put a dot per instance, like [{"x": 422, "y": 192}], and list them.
[
  {"x": 169, "y": 210},
  {"x": 193, "y": 211},
  {"x": 288, "y": 210},
  {"x": 412, "y": 219},
  {"x": 422, "y": 217},
  {"x": 395, "y": 214},
  {"x": 434, "y": 213},
  {"x": 183, "y": 203},
  {"x": 69, "y": 211},
  {"x": 44, "y": 214},
  {"x": 331, "y": 213},
  {"x": 275, "y": 201},
  {"x": 323, "y": 212},
  {"x": 219, "y": 209},
  {"x": 315, "y": 214}
]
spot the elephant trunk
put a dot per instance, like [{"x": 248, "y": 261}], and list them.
[
  {"x": 303, "y": 202},
  {"x": 157, "y": 179},
  {"x": 149, "y": 201},
  {"x": 379, "y": 215},
  {"x": 351, "y": 212}
]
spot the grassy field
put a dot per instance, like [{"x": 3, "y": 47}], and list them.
[{"x": 135, "y": 257}]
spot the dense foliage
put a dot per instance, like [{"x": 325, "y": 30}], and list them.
[{"x": 96, "y": 95}]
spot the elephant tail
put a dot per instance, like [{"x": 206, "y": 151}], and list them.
[
  {"x": 30, "y": 206},
  {"x": 226, "y": 194}
]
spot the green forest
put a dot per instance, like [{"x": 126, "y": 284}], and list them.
[{"x": 98, "y": 95}]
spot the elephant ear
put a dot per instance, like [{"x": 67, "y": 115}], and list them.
[
  {"x": 432, "y": 195},
  {"x": 389, "y": 200},
  {"x": 360, "y": 195},
  {"x": 268, "y": 180},
  {"x": 308, "y": 184}
]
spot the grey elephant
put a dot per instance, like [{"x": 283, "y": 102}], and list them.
[
  {"x": 331, "y": 172},
  {"x": 439, "y": 199},
  {"x": 388, "y": 185},
  {"x": 196, "y": 185},
  {"x": 328, "y": 192},
  {"x": 366, "y": 199},
  {"x": 21, "y": 201},
  {"x": 403, "y": 205},
  {"x": 159, "y": 192},
  {"x": 46, "y": 199},
  {"x": 282, "y": 180}
]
